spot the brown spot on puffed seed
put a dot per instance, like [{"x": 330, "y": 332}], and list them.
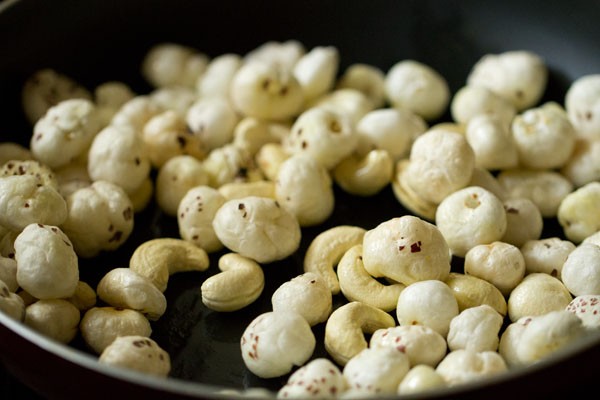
[
  {"x": 401, "y": 247},
  {"x": 511, "y": 210},
  {"x": 313, "y": 281},
  {"x": 26, "y": 205},
  {"x": 67, "y": 243},
  {"x": 588, "y": 115},
  {"x": 11, "y": 255},
  {"x": 116, "y": 237},
  {"x": 304, "y": 144},
  {"x": 5, "y": 292},
  {"x": 138, "y": 343},
  {"x": 520, "y": 94},
  {"x": 137, "y": 161},
  {"x": 283, "y": 91},
  {"x": 554, "y": 272},
  {"x": 266, "y": 83},
  {"x": 415, "y": 247},
  {"x": 335, "y": 126},
  {"x": 195, "y": 237},
  {"x": 127, "y": 213},
  {"x": 111, "y": 228},
  {"x": 181, "y": 141}
]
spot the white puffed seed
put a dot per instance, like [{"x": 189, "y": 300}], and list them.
[
  {"x": 100, "y": 218},
  {"x": 269, "y": 158},
  {"x": 582, "y": 103},
  {"x": 430, "y": 303},
  {"x": 492, "y": 143},
  {"x": 24, "y": 200},
  {"x": 123, "y": 287},
  {"x": 421, "y": 344},
  {"x": 282, "y": 54},
  {"x": 524, "y": 221},
  {"x": 316, "y": 71},
  {"x": 519, "y": 76},
  {"x": 548, "y": 333},
  {"x": 390, "y": 129},
  {"x": 584, "y": 165},
  {"x": 11, "y": 303},
  {"x": 136, "y": 112},
  {"x": 230, "y": 163},
  {"x": 42, "y": 172},
  {"x": 483, "y": 178},
  {"x": 581, "y": 271},
  {"x": 406, "y": 249},
  {"x": 325, "y": 135},
  {"x": 319, "y": 379},
  {"x": 544, "y": 137},
  {"x": 417, "y": 87},
  {"x": 47, "y": 266},
  {"x": 509, "y": 341},
  {"x": 304, "y": 188},
  {"x": 470, "y": 217},
  {"x": 8, "y": 273},
  {"x": 84, "y": 297},
  {"x": 72, "y": 177},
  {"x": 100, "y": 326},
  {"x": 117, "y": 155},
  {"x": 367, "y": 79},
  {"x": 252, "y": 133},
  {"x": 274, "y": 342},
  {"x": 139, "y": 353},
  {"x": 46, "y": 88},
  {"x": 175, "y": 98},
  {"x": 306, "y": 294},
  {"x": 65, "y": 132},
  {"x": 471, "y": 101},
  {"x": 237, "y": 190},
  {"x": 499, "y": 263},
  {"x": 376, "y": 371},
  {"x": 257, "y": 228},
  {"x": 172, "y": 64},
  {"x": 166, "y": 135},
  {"x": 537, "y": 294},
  {"x": 175, "y": 178},
  {"x": 546, "y": 188},
  {"x": 217, "y": 76},
  {"x": 266, "y": 91},
  {"x": 476, "y": 328},
  {"x": 195, "y": 214},
  {"x": 419, "y": 379},
  {"x": 587, "y": 308},
  {"x": 441, "y": 162},
  {"x": 351, "y": 103},
  {"x": 546, "y": 255},
  {"x": 461, "y": 366},
  {"x": 57, "y": 319},
  {"x": 212, "y": 120},
  {"x": 579, "y": 212},
  {"x": 109, "y": 97}
]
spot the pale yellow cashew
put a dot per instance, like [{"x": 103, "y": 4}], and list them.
[
  {"x": 408, "y": 197},
  {"x": 327, "y": 249},
  {"x": 240, "y": 283},
  {"x": 269, "y": 157},
  {"x": 365, "y": 176},
  {"x": 238, "y": 190},
  {"x": 357, "y": 285},
  {"x": 157, "y": 259},
  {"x": 471, "y": 291},
  {"x": 345, "y": 329}
]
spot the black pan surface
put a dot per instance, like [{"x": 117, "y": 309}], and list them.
[{"x": 96, "y": 41}]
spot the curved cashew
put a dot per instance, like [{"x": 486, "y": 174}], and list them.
[
  {"x": 269, "y": 157},
  {"x": 357, "y": 285},
  {"x": 157, "y": 259},
  {"x": 408, "y": 197},
  {"x": 345, "y": 328},
  {"x": 365, "y": 176},
  {"x": 240, "y": 283},
  {"x": 326, "y": 250}
]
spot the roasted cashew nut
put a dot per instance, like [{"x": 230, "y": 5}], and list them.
[
  {"x": 345, "y": 329},
  {"x": 365, "y": 176},
  {"x": 406, "y": 196},
  {"x": 358, "y": 285},
  {"x": 240, "y": 283},
  {"x": 159, "y": 258},
  {"x": 327, "y": 249}
]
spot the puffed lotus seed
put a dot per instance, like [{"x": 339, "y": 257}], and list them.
[
  {"x": 583, "y": 166},
  {"x": 217, "y": 76},
  {"x": 307, "y": 294},
  {"x": 491, "y": 141},
  {"x": 175, "y": 178},
  {"x": 177, "y": 99},
  {"x": 537, "y": 294},
  {"x": 55, "y": 318},
  {"x": 275, "y": 342},
  {"x": 212, "y": 121},
  {"x": 579, "y": 212},
  {"x": 319, "y": 378},
  {"x": 546, "y": 255},
  {"x": 582, "y": 103},
  {"x": 524, "y": 221},
  {"x": 8, "y": 273},
  {"x": 421, "y": 344},
  {"x": 581, "y": 271},
  {"x": 13, "y": 151},
  {"x": 257, "y": 228},
  {"x": 376, "y": 370},
  {"x": 11, "y": 303},
  {"x": 283, "y": 54},
  {"x": 44, "y": 276},
  {"x": 472, "y": 101},
  {"x": 43, "y": 173},
  {"x": 476, "y": 328},
  {"x": 419, "y": 379},
  {"x": 587, "y": 308},
  {"x": 349, "y": 103},
  {"x": 138, "y": 353},
  {"x": 367, "y": 79},
  {"x": 316, "y": 71},
  {"x": 463, "y": 365},
  {"x": 406, "y": 249},
  {"x": 172, "y": 64}
]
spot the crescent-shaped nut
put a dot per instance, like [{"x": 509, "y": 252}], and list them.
[
  {"x": 327, "y": 249},
  {"x": 345, "y": 329},
  {"x": 123, "y": 287},
  {"x": 408, "y": 197},
  {"x": 237, "y": 190},
  {"x": 365, "y": 176},
  {"x": 240, "y": 283},
  {"x": 357, "y": 285},
  {"x": 471, "y": 291},
  {"x": 157, "y": 259}
]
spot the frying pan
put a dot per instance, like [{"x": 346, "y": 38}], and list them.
[{"x": 95, "y": 41}]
